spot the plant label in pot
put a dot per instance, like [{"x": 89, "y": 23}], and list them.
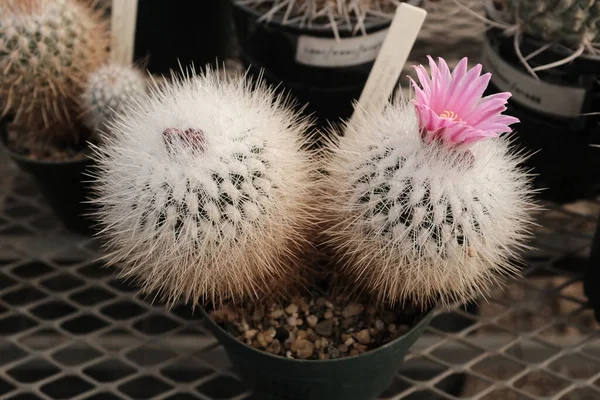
[
  {"x": 208, "y": 192},
  {"x": 323, "y": 60}
]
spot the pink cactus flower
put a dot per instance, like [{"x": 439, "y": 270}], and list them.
[{"x": 450, "y": 106}]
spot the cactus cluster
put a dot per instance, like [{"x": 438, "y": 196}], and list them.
[
  {"x": 107, "y": 92},
  {"x": 417, "y": 222},
  {"x": 47, "y": 50},
  {"x": 203, "y": 190},
  {"x": 569, "y": 22}
]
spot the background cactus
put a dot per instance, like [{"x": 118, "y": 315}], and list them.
[
  {"x": 203, "y": 190},
  {"x": 418, "y": 222},
  {"x": 570, "y": 22},
  {"x": 47, "y": 49},
  {"x": 107, "y": 92},
  {"x": 330, "y": 13}
]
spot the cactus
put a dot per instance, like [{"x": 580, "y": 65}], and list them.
[
  {"x": 203, "y": 190},
  {"x": 47, "y": 49},
  {"x": 569, "y": 22},
  {"x": 415, "y": 222},
  {"x": 107, "y": 92},
  {"x": 424, "y": 207},
  {"x": 328, "y": 13}
]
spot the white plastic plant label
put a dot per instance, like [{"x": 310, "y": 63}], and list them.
[
  {"x": 326, "y": 52},
  {"x": 391, "y": 59},
  {"x": 547, "y": 98}
]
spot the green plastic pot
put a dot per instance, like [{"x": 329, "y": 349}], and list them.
[{"x": 361, "y": 377}]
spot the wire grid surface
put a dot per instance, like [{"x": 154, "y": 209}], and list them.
[{"x": 69, "y": 330}]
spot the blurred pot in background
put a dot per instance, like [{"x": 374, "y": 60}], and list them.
[
  {"x": 552, "y": 71},
  {"x": 322, "y": 54}
]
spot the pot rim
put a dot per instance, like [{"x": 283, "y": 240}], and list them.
[
  {"x": 3, "y": 143},
  {"x": 369, "y": 26},
  {"x": 425, "y": 319}
]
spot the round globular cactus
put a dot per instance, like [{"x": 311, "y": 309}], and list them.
[
  {"x": 203, "y": 190},
  {"x": 570, "y": 22},
  {"x": 420, "y": 210},
  {"x": 47, "y": 49},
  {"x": 108, "y": 91}
]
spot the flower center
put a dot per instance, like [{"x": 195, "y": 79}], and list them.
[{"x": 450, "y": 115}]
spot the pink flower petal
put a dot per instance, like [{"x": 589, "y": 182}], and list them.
[{"x": 450, "y": 106}]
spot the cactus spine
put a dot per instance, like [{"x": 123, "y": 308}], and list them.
[
  {"x": 47, "y": 49},
  {"x": 203, "y": 190}
]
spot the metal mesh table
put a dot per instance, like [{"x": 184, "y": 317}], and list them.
[{"x": 68, "y": 329}]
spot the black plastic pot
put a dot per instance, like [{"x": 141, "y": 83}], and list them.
[
  {"x": 186, "y": 32},
  {"x": 295, "y": 57},
  {"x": 62, "y": 184},
  {"x": 360, "y": 377},
  {"x": 551, "y": 121}
]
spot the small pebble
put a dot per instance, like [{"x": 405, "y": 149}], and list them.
[
  {"x": 363, "y": 337},
  {"x": 328, "y": 304},
  {"x": 312, "y": 320},
  {"x": 323, "y": 356},
  {"x": 277, "y": 313},
  {"x": 335, "y": 352},
  {"x": 324, "y": 328},
  {"x": 262, "y": 341},
  {"x": 291, "y": 309},
  {"x": 289, "y": 354},
  {"x": 282, "y": 334},
  {"x": 301, "y": 334},
  {"x": 305, "y": 307},
  {"x": 321, "y": 301},
  {"x": 354, "y": 352},
  {"x": 361, "y": 348},
  {"x": 328, "y": 314},
  {"x": 299, "y": 321},
  {"x": 303, "y": 348},
  {"x": 345, "y": 337},
  {"x": 324, "y": 342},
  {"x": 343, "y": 348},
  {"x": 292, "y": 321},
  {"x": 392, "y": 328},
  {"x": 274, "y": 347},
  {"x": 352, "y": 310},
  {"x": 349, "y": 342},
  {"x": 379, "y": 325},
  {"x": 250, "y": 334}
]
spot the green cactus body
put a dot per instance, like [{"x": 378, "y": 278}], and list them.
[
  {"x": 47, "y": 49},
  {"x": 569, "y": 22}
]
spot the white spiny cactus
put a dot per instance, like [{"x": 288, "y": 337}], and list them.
[
  {"x": 203, "y": 190},
  {"x": 107, "y": 92},
  {"x": 418, "y": 222}
]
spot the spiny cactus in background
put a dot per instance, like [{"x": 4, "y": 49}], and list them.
[
  {"x": 416, "y": 215},
  {"x": 328, "y": 13},
  {"x": 108, "y": 91},
  {"x": 47, "y": 50},
  {"x": 203, "y": 190},
  {"x": 570, "y": 22}
]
